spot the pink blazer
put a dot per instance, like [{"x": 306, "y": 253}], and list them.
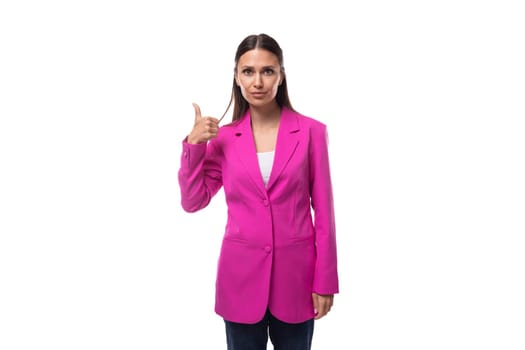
[{"x": 275, "y": 252}]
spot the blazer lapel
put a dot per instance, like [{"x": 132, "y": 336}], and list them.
[
  {"x": 245, "y": 148},
  {"x": 287, "y": 141}
]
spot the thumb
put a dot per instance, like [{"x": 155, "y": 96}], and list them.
[
  {"x": 315, "y": 299},
  {"x": 198, "y": 114}
]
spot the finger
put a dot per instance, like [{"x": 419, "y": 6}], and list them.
[
  {"x": 198, "y": 114},
  {"x": 211, "y": 121},
  {"x": 315, "y": 299},
  {"x": 321, "y": 310},
  {"x": 211, "y": 126},
  {"x": 212, "y": 131}
]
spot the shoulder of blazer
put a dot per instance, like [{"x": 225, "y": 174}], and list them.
[
  {"x": 226, "y": 132},
  {"x": 307, "y": 121}
]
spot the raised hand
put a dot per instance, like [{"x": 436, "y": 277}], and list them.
[{"x": 204, "y": 129}]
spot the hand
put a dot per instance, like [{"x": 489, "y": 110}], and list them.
[
  {"x": 204, "y": 129},
  {"x": 322, "y": 304}
]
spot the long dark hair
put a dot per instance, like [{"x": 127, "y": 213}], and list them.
[{"x": 260, "y": 41}]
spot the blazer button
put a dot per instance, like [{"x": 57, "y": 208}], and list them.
[
  {"x": 268, "y": 249},
  {"x": 266, "y": 202}
]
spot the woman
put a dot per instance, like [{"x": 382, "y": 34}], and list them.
[{"x": 277, "y": 270}]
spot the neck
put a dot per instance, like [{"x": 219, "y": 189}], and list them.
[{"x": 266, "y": 116}]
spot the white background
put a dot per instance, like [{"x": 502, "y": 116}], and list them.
[{"x": 424, "y": 102}]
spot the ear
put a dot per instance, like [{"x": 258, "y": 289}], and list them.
[
  {"x": 283, "y": 75},
  {"x": 236, "y": 79}
]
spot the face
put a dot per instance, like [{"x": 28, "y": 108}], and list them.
[{"x": 259, "y": 75}]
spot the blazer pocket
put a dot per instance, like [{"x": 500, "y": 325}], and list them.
[
  {"x": 301, "y": 240},
  {"x": 235, "y": 239}
]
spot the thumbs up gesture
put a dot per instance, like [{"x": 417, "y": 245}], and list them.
[{"x": 204, "y": 129}]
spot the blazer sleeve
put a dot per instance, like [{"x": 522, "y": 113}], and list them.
[
  {"x": 325, "y": 275},
  {"x": 200, "y": 174}
]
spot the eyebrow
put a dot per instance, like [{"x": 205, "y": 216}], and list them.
[{"x": 264, "y": 67}]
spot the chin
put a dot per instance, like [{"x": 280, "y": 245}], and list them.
[{"x": 259, "y": 103}]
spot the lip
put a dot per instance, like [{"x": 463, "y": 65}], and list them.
[{"x": 258, "y": 94}]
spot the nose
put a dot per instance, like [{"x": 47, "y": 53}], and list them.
[{"x": 257, "y": 81}]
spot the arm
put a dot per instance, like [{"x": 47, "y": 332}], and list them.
[
  {"x": 325, "y": 275},
  {"x": 200, "y": 175}
]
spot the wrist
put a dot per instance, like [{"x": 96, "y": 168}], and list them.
[{"x": 191, "y": 140}]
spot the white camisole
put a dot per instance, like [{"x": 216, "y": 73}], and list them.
[{"x": 265, "y": 164}]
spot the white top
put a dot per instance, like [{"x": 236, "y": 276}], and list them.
[{"x": 265, "y": 164}]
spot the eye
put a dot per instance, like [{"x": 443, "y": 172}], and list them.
[
  {"x": 247, "y": 71},
  {"x": 268, "y": 71}
]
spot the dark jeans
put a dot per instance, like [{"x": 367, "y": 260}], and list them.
[{"x": 284, "y": 336}]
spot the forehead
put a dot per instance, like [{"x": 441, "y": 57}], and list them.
[{"x": 258, "y": 57}]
